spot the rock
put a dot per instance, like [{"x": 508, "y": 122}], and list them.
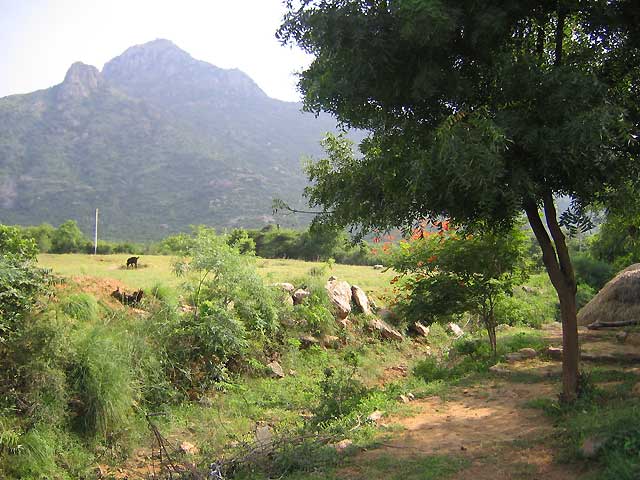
[
  {"x": 378, "y": 267},
  {"x": 342, "y": 444},
  {"x": 403, "y": 398},
  {"x": 284, "y": 286},
  {"x": 455, "y": 330},
  {"x": 189, "y": 448},
  {"x": 499, "y": 369},
  {"x": 292, "y": 372},
  {"x": 513, "y": 357},
  {"x": 421, "y": 329},
  {"x": 307, "y": 341},
  {"x": 288, "y": 300},
  {"x": 385, "y": 329},
  {"x": 530, "y": 290},
  {"x": 360, "y": 299},
  {"x": 621, "y": 336},
  {"x": 592, "y": 446},
  {"x": 503, "y": 327},
  {"x": 528, "y": 353},
  {"x": 331, "y": 341},
  {"x": 375, "y": 416},
  {"x": 264, "y": 435},
  {"x": 340, "y": 296},
  {"x": 276, "y": 370},
  {"x": 554, "y": 352},
  {"x": 299, "y": 295}
]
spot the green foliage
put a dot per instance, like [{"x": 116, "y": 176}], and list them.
[
  {"x": 239, "y": 238},
  {"x": 15, "y": 244},
  {"x": 21, "y": 283},
  {"x": 448, "y": 273},
  {"x": 592, "y": 272},
  {"x": 584, "y": 295},
  {"x": 80, "y": 306},
  {"x": 68, "y": 238}
]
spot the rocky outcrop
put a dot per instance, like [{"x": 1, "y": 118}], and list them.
[
  {"x": 386, "y": 331},
  {"x": 339, "y": 293},
  {"x": 360, "y": 299},
  {"x": 421, "y": 329},
  {"x": 80, "y": 82}
]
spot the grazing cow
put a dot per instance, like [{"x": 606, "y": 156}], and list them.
[{"x": 132, "y": 261}]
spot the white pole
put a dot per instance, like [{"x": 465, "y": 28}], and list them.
[{"x": 95, "y": 236}]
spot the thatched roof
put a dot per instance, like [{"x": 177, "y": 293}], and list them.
[{"x": 617, "y": 304}]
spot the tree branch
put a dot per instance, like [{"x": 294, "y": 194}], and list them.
[
  {"x": 559, "y": 240},
  {"x": 548, "y": 252}
]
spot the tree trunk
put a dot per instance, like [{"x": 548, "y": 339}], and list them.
[{"x": 555, "y": 256}]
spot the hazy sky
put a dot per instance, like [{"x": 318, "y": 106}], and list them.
[{"x": 40, "y": 39}]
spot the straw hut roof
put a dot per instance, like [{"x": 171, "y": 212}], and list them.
[{"x": 617, "y": 304}]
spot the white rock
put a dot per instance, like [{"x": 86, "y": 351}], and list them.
[
  {"x": 276, "y": 369},
  {"x": 339, "y": 293},
  {"x": 360, "y": 299},
  {"x": 299, "y": 295},
  {"x": 422, "y": 329},
  {"x": 455, "y": 330},
  {"x": 287, "y": 287}
]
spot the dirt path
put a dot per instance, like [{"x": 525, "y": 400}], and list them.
[{"x": 488, "y": 425}]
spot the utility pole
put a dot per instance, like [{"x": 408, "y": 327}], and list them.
[{"x": 95, "y": 236}]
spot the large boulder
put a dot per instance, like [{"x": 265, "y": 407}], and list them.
[
  {"x": 360, "y": 299},
  {"x": 339, "y": 293}
]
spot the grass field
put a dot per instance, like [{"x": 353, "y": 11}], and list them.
[{"x": 158, "y": 268}]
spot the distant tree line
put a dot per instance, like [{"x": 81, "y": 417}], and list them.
[{"x": 317, "y": 244}]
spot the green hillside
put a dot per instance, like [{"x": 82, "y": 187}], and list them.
[{"x": 158, "y": 141}]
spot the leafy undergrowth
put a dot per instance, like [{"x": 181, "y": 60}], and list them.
[{"x": 607, "y": 417}]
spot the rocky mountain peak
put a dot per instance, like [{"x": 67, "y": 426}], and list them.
[
  {"x": 153, "y": 69},
  {"x": 80, "y": 81}
]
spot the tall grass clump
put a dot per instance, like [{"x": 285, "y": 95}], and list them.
[
  {"x": 164, "y": 294},
  {"x": 102, "y": 382},
  {"x": 80, "y": 306}
]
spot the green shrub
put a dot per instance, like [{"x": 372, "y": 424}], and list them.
[
  {"x": 584, "y": 295},
  {"x": 430, "y": 369},
  {"x": 594, "y": 273},
  {"x": 80, "y": 306}
]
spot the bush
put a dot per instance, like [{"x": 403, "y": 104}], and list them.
[
  {"x": 584, "y": 295},
  {"x": 594, "y": 273}
]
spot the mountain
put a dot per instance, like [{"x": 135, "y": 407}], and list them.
[{"x": 157, "y": 141}]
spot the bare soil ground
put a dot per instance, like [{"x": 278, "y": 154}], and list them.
[{"x": 490, "y": 425}]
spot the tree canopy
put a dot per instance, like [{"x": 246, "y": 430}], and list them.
[{"x": 476, "y": 111}]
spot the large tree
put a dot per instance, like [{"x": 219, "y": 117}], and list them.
[{"x": 477, "y": 111}]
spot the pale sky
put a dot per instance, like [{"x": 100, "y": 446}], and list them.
[{"x": 40, "y": 39}]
